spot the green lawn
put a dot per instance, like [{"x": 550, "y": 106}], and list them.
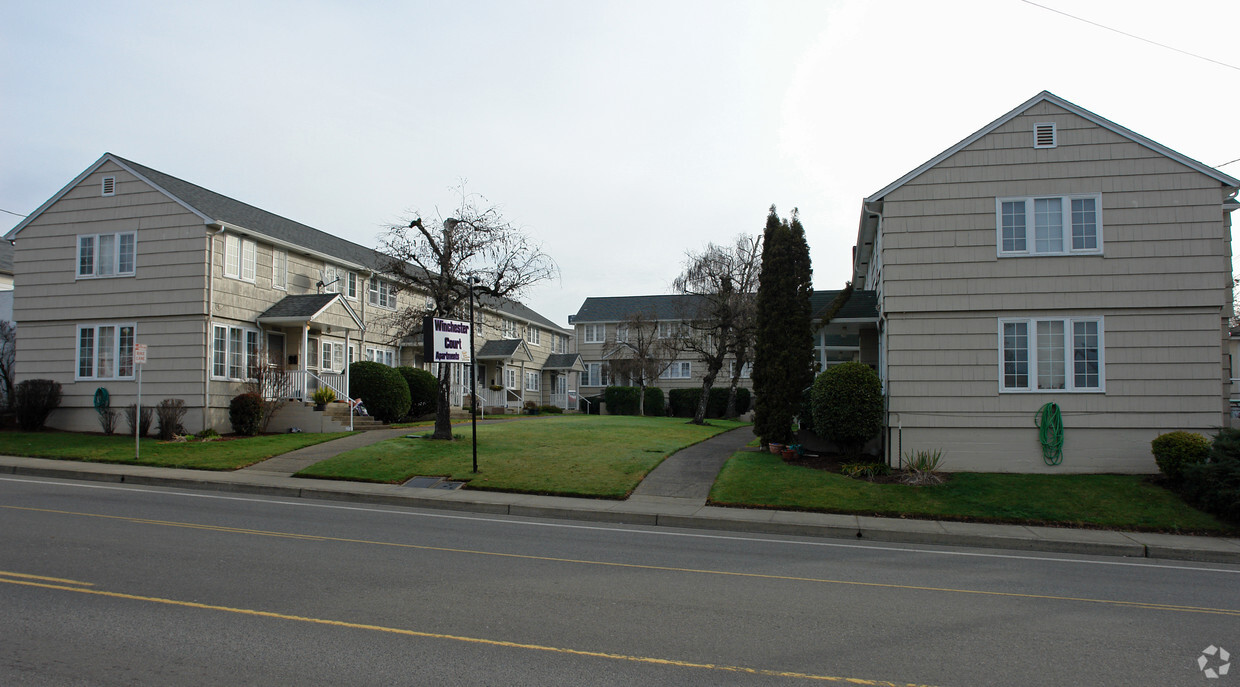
[
  {"x": 603, "y": 457},
  {"x": 201, "y": 455},
  {"x": 1108, "y": 501}
]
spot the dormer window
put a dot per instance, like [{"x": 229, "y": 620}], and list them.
[{"x": 1044, "y": 135}]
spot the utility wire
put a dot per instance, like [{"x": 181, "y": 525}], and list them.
[
  {"x": 12, "y": 213},
  {"x": 1125, "y": 33}
]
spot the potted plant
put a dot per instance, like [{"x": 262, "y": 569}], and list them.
[{"x": 322, "y": 396}]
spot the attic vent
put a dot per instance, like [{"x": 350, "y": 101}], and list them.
[
  {"x": 1044, "y": 135},
  {"x": 109, "y": 186}
]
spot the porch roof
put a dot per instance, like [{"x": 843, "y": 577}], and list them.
[
  {"x": 305, "y": 308},
  {"x": 564, "y": 361},
  {"x": 505, "y": 349}
]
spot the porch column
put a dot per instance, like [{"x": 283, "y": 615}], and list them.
[{"x": 304, "y": 360}]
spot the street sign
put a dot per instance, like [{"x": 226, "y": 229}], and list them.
[{"x": 139, "y": 354}]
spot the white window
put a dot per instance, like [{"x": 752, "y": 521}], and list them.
[
  {"x": 105, "y": 351},
  {"x": 333, "y": 356},
  {"x": 595, "y": 375},
  {"x": 386, "y": 356},
  {"x": 279, "y": 268},
  {"x": 106, "y": 255},
  {"x": 622, "y": 333},
  {"x": 352, "y": 353},
  {"x": 312, "y": 353},
  {"x": 510, "y": 377},
  {"x": 593, "y": 333},
  {"x": 533, "y": 336},
  {"x": 1061, "y": 225},
  {"x": 382, "y": 294},
  {"x": 531, "y": 380},
  {"x": 240, "y": 258},
  {"x": 350, "y": 286},
  {"x": 508, "y": 329},
  {"x": 1051, "y": 354},
  {"x": 559, "y": 343},
  {"x": 678, "y": 370},
  {"x": 234, "y": 352},
  {"x": 668, "y": 330}
]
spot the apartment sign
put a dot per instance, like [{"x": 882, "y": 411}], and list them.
[{"x": 445, "y": 341}]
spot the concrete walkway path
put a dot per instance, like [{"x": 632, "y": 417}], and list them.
[{"x": 687, "y": 475}]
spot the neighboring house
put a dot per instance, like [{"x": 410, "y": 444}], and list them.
[
  {"x": 601, "y": 334},
  {"x": 215, "y": 289},
  {"x": 6, "y": 280},
  {"x": 1052, "y": 256}
]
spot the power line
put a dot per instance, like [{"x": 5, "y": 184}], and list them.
[
  {"x": 1125, "y": 33},
  {"x": 1227, "y": 163},
  {"x": 12, "y": 213}
]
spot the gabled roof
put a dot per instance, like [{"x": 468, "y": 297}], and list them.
[
  {"x": 620, "y": 308},
  {"x": 505, "y": 349},
  {"x": 1047, "y": 96},
  {"x": 215, "y": 208},
  {"x": 564, "y": 361},
  {"x": 305, "y": 308}
]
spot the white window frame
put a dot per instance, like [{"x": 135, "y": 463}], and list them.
[
  {"x": 532, "y": 380},
  {"x": 533, "y": 337},
  {"x": 510, "y": 378},
  {"x": 312, "y": 353},
  {"x": 350, "y": 290},
  {"x": 239, "y": 359},
  {"x": 332, "y": 356},
  {"x": 116, "y": 268},
  {"x": 240, "y": 258},
  {"x": 279, "y": 269},
  {"x": 509, "y": 329},
  {"x": 1068, "y": 355},
  {"x": 680, "y": 369},
  {"x": 593, "y": 333},
  {"x": 121, "y": 349},
  {"x": 595, "y": 374},
  {"x": 382, "y": 294},
  {"x": 1064, "y": 229},
  {"x": 381, "y": 354}
]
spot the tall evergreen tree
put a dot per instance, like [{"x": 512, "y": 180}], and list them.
[{"x": 783, "y": 348}]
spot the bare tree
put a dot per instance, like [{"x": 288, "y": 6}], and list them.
[
  {"x": 476, "y": 246},
  {"x": 8, "y": 356},
  {"x": 641, "y": 354},
  {"x": 718, "y": 321}
]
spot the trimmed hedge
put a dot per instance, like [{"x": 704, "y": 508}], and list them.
[
  {"x": 423, "y": 390},
  {"x": 848, "y": 406},
  {"x": 34, "y": 401},
  {"x": 245, "y": 412},
  {"x": 382, "y": 389},
  {"x": 655, "y": 405},
  {"x": 684, "y": 402},
  {"x": 621, "y": 400},
  {"x": 1174, "y": 451},
  {"x": 1214, "y": 486}
]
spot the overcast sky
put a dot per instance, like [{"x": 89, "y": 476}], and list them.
[{"x": 618, "y": 134}]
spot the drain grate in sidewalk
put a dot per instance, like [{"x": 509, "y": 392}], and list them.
[{"x": 433, "y": 483}]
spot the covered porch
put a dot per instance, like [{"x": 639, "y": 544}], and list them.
[{"x": 308, "y": 342}]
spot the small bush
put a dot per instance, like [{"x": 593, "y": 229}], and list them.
[
  {"x": 621, "y": 400},
  {"x": 1175, "y": 450},
  {"x": 683, "y": 402},
  {"x": 207, "y": 434},
  {"x": 655, "y": 405},
  {"x": 865, "y": 471},
  {"x": 551, "y": 410},
  {"x": 245, "y": 412},
  {"x": 34, "y": 401},
  {"x": 144, "y": 423},
  {"x": 423, "y": 390},
  {"x": 382, "y": 389},
  {"x": 530, "y": 407},
  {"x": 169, "y": 412},
  {"x": 921, "y": 467},
  {"x": 848, "y": 406},
  {"x": 1214, "y": 485},
  {"x": 107, "y": 420},
  {"x": 323, "y": 395}
]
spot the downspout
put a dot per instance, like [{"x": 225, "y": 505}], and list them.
[{"x": 206, "y": 326}]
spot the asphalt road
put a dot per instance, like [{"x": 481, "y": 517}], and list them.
[{"x": 110, "y": 584}]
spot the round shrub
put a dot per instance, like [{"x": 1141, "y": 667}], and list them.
[
  {"x": 34, "y": 400},
  {"x": 423, "y": 390},
  {"x": 1175, "y": 450},
  {"x": 245, "y": 412},
  {"x": 382, "y": 389},
  {"x": 847, "y": 405},
  {"x": 655, "y": 405}
]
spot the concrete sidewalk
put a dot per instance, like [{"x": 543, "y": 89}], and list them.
[{"x": 673, "y": 496}]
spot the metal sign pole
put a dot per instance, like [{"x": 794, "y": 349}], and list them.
[
  {"x": 473, "y": 374},
  {"x": 139, "y": 359}
]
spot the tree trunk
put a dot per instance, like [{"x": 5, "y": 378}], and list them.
[
  {"x": 730, "y": 412},
  {"x": 699, "y": 416},
  {"x": 641, "y": 399},
  {"x": 443, "y": 412}
]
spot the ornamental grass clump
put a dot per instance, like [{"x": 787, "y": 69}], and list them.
[{"x": 921, "y": 467}]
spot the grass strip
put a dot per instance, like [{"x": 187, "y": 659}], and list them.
[{"x": 229, "y": 454}]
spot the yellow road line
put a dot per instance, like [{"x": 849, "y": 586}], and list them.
[
  {"x": 662, "y": 568},
  {"x": 470, "y": 640},
  {"x": 6, "y": 573}
]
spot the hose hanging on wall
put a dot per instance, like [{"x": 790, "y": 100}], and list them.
[{"x": 1050, "y": 432}]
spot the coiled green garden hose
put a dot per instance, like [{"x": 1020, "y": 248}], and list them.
[{"x": 1050, "y": 432}]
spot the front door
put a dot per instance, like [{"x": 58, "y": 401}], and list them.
[{"x": 275, "y": 349}]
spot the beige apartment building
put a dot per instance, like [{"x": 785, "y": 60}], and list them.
[
  {"x": 125, "y": 254},
  {"x": 1051, "y": 256}
]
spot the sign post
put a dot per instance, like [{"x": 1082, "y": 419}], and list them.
[
  {"x": 452, "y": 341},
  {"x": 139, "y": 359}
]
